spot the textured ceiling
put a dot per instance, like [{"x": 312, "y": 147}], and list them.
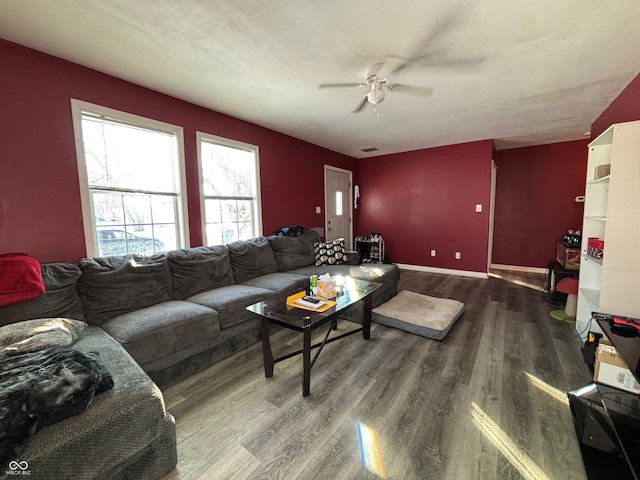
[{"x": 521, "y": 73}]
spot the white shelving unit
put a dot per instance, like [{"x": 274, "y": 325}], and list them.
[
  {"x": 374, "y": 251},
  {"x": 611, "y": 211}
]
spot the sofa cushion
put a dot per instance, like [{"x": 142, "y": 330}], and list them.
[
  {"x": 163, "y": 330},
  {"x": 60, "y": 298},
  {"x": 37, "y": 334},
  {"x": 294, "y": 252},
  {"x": 194, "y": 270},
  {"x": 252, "y": 258},
  {"x": 281, "y": 282},
  {"x": 231, "y": 302},
  {"x": 112, "y": 286}
]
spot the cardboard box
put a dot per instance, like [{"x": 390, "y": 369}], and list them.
[
  {"x": 611, "y": 369},
  {"x": 602, "y": 171}
]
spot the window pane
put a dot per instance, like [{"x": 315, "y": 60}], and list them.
[
  {"x": 167, "y": 235},
  {"x": 229, "y": 210},
  {"x": 212, "y": 211},
  {"x": 137, "y": 209},
  {"x": 214, "y": 234},
  {"x": 227, "y": 171},
  {"x": 124, "y": 156},
  {"x": 163, "y": 209},
  {"x": 338, "y": 203},
  {"x": 108, "y": 208},
  {"x": 228, "y": 221}
]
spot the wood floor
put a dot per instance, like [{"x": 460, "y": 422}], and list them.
[{"x": 487, "y": 402}]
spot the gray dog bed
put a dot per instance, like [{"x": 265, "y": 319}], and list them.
[{"x": 415, "y": 313}]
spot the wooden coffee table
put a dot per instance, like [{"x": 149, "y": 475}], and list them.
[{"x": 275, "y": 310}]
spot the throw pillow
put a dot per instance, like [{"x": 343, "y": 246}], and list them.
[
  {"x": 330, "y": 253},
  {"x": 33, "y": 335},
  {"x": 21, "y": 278}
]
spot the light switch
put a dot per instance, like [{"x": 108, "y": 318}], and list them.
[
  {"x": 478, "y": 207},
  {"x": 318, "y": 210}
]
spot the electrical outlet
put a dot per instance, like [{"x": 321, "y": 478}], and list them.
[
  {"x": 318, "y": 210},
  {"x": 433, "y": 253},
  {"x": 457, "y": 255}
]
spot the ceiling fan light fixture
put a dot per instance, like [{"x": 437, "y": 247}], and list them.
[{"x": 375, "y": 96}]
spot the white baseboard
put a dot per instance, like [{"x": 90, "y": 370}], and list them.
[
  {"x": 445, "y": 271},
  {"x": 518, "y": 268}
]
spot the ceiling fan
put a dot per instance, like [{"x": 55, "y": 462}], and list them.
[{"x": 377, "y": 81}]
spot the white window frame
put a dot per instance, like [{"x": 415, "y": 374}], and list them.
[
  {"x": 77, "y": 107},
  {"x": 207, "y": 137}
]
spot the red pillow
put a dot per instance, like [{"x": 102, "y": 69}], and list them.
[{"x": 20, "y": 278}]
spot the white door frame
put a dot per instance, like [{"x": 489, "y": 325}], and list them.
[{"x": 349, "y": 241}]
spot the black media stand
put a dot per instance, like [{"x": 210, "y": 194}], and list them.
[{"x": 607, "y": 420}]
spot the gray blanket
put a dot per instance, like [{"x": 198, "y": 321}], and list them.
[{"x": 44, "y": 387}]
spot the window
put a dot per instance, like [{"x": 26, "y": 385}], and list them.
[
  {"x": 230, "y": 190},
  {"x": 131, "y": 181}
]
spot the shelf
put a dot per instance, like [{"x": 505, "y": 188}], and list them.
[
  {"x": 594, "y": 260},
  {"x": 597, "y": 218},
  {"x": 600, "y": 180},
  {"x": 592, "y": 295}
]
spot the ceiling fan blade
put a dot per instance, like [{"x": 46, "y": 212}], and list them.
[
  {"x": 420, "y": 91},
  {"x": 360, "y": 105},
  {"x": 340, "y": 85},
  {"x": 391, "y": 66},
  {"x": 446, "y": 25}
]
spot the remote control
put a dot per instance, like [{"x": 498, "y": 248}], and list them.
[{"x": 310, "y": 299}]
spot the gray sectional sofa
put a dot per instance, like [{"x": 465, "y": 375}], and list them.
[{"x": 155, "y": 320}]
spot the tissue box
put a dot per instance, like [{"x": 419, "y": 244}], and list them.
[{"x": 327, "y": 289}]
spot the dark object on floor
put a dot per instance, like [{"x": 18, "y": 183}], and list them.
[
  {"x": 44, "y": 387},
  {"x": 419, "y": 314}
]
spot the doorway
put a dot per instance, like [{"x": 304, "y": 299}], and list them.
[{"x": 338, "y": 205}]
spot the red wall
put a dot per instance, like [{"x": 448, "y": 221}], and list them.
[
  {"x": 40, "y": 211},
  {"x": 425, "y": 200},
  {"x": 535, "y": 201},
  {"x": 625, "y": 108}
]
